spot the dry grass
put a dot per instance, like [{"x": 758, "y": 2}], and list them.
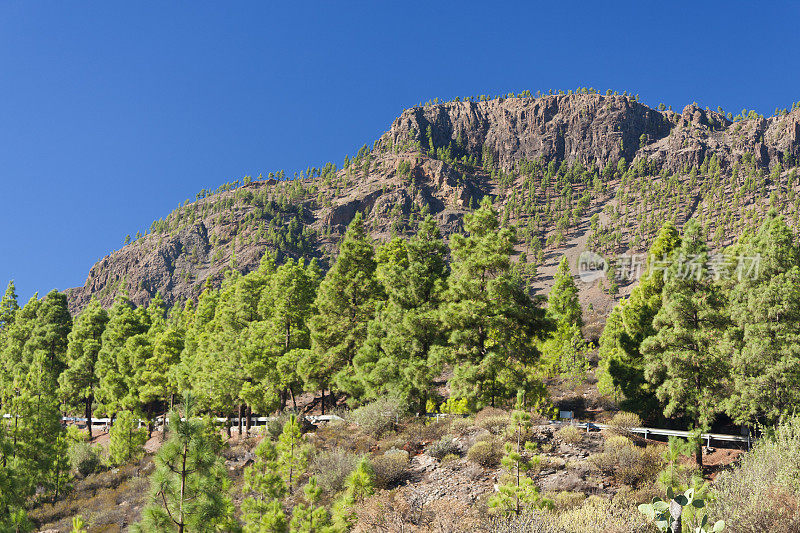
[{"x": 109, "y": 501}]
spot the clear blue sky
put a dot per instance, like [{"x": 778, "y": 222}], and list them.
[{"x": 112, "y": 115}]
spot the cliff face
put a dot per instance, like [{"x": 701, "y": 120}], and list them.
[
  {"x": 586, "y": 128},
  {"x": 402, "y": 179},
  {"x": 598, "y": 129}
]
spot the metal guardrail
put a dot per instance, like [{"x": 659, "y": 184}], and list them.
[{"x": 708, "y": 437}]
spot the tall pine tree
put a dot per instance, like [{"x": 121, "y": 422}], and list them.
[
  {"x": 493, "y": 324},
  {"x": 399, "y": 356},
  {"x": 78, "y": 381},
  {"x": 346, "y": 302},
  {"x": 765, "y": 337},
  {"x": 682, "y": 359}
]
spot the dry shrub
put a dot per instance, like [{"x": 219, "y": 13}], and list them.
[
  {"x": 445, "y": 446},
  {"x": 362, "y": 444},
  {"x": 490, "y": 412},
  {"x": 627, "y": 496},
  {"x": 534, "y": 522},
  {"x": 627, "y": 463},
  {"x": 377, "y": 417},
  {"x": 385, "y": 511},
  {"x": 452, "y": 516},
  {"x": 390, "y": 468},
  {"x": 599, "y": 515},
  {"x": 762, "y": 493},
  {"x": 460, "y": 425},
  {"x": 425, "y": 429},
  {"x": 623, "y": 422},
  {"x": 570, "y": 434},
  {"x": 332, "y": 468},
  {"x": 566, "y": 499},
  {"x": 486, "y": 453},
  {"x": 496, "y": 425}
]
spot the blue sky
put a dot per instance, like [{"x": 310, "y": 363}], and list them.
[{"x": 113, "y": 113}]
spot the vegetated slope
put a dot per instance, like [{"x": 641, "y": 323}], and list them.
[{"x": 571, "y": 171}]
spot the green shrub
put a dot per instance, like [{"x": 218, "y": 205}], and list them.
[
  {"x": 84, "y": 458},
  {"x": 445, "y": 446},
  {"x": 455, "y": 407},
  {"x": 485, "y": 453},
  {"x": 275, "y": 428},
  {"x": 377, "y": 417},
  {"x": 390, "y": 468}
]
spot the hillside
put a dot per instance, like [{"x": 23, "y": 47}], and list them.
[{"x": 554, "y": 164}]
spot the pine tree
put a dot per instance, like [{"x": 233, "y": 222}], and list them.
[
  {"x": 682, "y": 359},
  {"x": 565, "y": 351},
  {"x": 563, "y": 305},
  {"x": 77, "y": 383},
  {"x": 124, "y": 350},
  {"x": 293, "y": 452},
  {"x": 399, "y": 354},
  {"x": 8, "y": 307},
  {"x": 39, "y": 440},
  {"x": 158, "y": 381},
  {"x": 218, "y": 361},
  {"x": 492, "y": 323},
  {"x": 12, "y": 487},
  {"x": 360, "y": 485},
  {"x": 264, "y": 486},
  {"x": 346, "y": 302},
  {"x": 765, "y": 339},
  {"x": 126, "y": 439},
  {"x": 34, "y": 355},
  {"x": 189, "y": 485},
  {"x": 46, "y": 347},
  {"x": 312, "y": 518},
  {"x": 272, "y": 343},
  {"x": 621, "y": 368}
]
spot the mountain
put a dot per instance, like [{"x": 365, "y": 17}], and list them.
[{"x": 573, "y": 172}]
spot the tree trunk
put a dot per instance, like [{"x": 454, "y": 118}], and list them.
[
  {"x": 183, "y": 487},
  {"x": 241, "y": 420},
  {"x": 249, "y": 420},
  {"x": 698, "y": 454},
  {"x": 88, "y": 414},
  {"x": 323, "y": 400},
  {"x": 228, "y": 425}
]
